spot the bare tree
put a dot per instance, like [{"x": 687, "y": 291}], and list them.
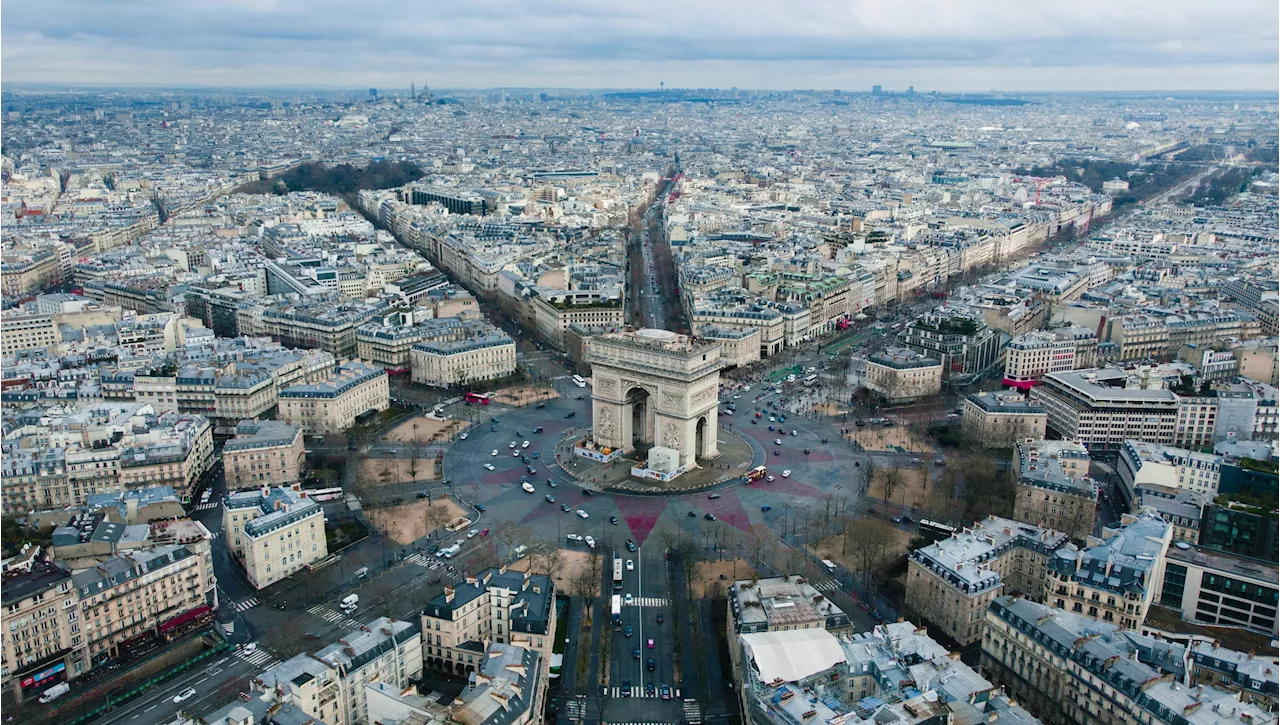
[
  {"x": 890, "y": 482},
  {"x": 870, "y": 544},
  {"x": 413, "y": 461},
  {"x": 436, "y": 517},
  {"x": 385, "y": 472},
  {"x": 760, "y": 543}
]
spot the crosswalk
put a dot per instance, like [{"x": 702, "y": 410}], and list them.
[
  {"x": 648, "y": 602},
  {"x": 245, "y": 605},
  {"x": 826, "y": 586},
  {"x": 637, "y": 691},
  {"x": 331, "y": 616},
  {"x": 692, "y": 712},
  {"x": 424, "y": 561},
  {"x": 208, "y": 506},
  {"x": 215, "y": 535},
  {"x": 258, "y": 658}
]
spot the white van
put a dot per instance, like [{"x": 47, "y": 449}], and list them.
[
  {"x": 54, "y": 692},
  {"x": 831, "y": 565}
]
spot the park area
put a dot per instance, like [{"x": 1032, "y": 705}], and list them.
[
  {"x": 902, "y": 486},
  {"x": 572, "y": 564},
  {"x": 423, "y": 430},
  {"x": 391, "y": 471},
  {"x": 884, "y": 544},
  {"x": 518, "y": 396},
  {"x": 899, "y": 438},
  {"x": 712, "y": 579},
  {"x": 406, "y": 523}
]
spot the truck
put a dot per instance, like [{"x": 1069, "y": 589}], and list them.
[
  {"x": 350, "y": 602},
  {"x": 449, "y": 551},
  {"x": 54, "y": 692},
  {"x": 362, "y": 572},
  {"x": 831, "y": 565},
  {"x": 615, "y": 607}
]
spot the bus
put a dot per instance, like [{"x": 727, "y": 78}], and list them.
[
  {"x": 617, "y": 575},
  {"x": 616, "y": 608},
  {"x": 320, "y": 495},
  {"x": 811, "y": 380},
  {"x": 580, "y": 381},
  {"x": 936, "y": 529},
  {"x": 755, "y": 474},
  {"x": 481, "y": 398}
]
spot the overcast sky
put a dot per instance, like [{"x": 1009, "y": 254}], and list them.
[{"x": 931, "y": 44}]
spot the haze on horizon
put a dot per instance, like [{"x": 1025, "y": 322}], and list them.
[{"x": 930, "y": 44}]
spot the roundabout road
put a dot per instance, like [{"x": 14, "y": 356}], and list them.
[{"x": 827, "y": 469}]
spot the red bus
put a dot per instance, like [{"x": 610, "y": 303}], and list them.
[
  {"x": 481, "y": 398},
  {"x": 755, "y": 474}
]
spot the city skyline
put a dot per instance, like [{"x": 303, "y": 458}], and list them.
[{"x": 929, "y": 45}]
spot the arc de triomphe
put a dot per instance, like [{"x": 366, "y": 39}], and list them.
[{"x": 655, "y": 387}]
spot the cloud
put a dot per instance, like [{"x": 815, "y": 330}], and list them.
[{"x": 750, "y": 43}]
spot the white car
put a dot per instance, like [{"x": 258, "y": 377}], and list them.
[
  {"x": 462, "y": 437},
  {"x": 777, "y": 441},
  {"x": 253, "y": 646},
  {"x": 525, "y": 444},
  {"x": 185, "y": 695},
  {"x": 728, "y": 412},
  {"x": 630, "y": 599},
  {"x": 515, "y": 454},
  {"x": 495, "y": 452},
  {"x": 772, "y": 419},
  {"x": 794, "y": 433},
  {"x": 489, "y": 466},
  {"x": 528, "y": 487},
  {"x": 574, "y": 537},
  {"x": 512, "y": 444},
  {"x": 786, "y": 473},
  {"x": 472, "y": 533},
  {"x": 591, "y": 542},
  {"x": 582, "y": 514},
  {"x": 631, "y": 565},
  {"x": 769, "y": 478}
]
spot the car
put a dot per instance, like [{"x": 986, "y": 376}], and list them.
[
  {"x": 777, "y": 441},
  {"x": 524, "y": 444},
  {"x": 794, "y": 433},
  {"x": 629, "y": 599},
  {"x": 786, "y": 473},
  {"x": 766, "y": 507},
  {"x": 495, "y": 452},
  {"x": 570, "y": 414},
  {"x": 777, "y": 452},
  {"x": 462, "y": 437},
  {"x": 493, "y": 420},
  {"x": 551, "y": 482},
  {"x": 493, "y": 429},
  {"x": 782, "y": 418},
  {"x": 650, "y": 666},
  {"x": 540, "y": 406},
  {"x": 531, "y": 470},
  {"x": 515, "y": 454},
  {"x": 772, "y": 420},
  {"x": 565, "y": 508},
  {"x": 590, "y": 542},
  {"x": 709, "y": 516},
  {"x": 580, "y": 397},
  {"x": 253, "y": 646},
  {"x": 574, "y": 537},
  {"x": 626, "y": 688},
  {"x": 538, "y": 429},
  {"x": 649, "y": 688},
  {"x": 650, "y": 644},
  {"x": 185, "y": 695},
  {"x": 613, "y": 520},
  {"x": 533, "y": 455},
  {"x": 551, "y": 499},
  {"x": 512, "y": 444},
  {"x": 714, "y": 495},
  {"x": 631, "y": 545},
  {"x": 692, "y": 515},
  {"x": 421, "y": 495},
  {"x": 479, "y": 507},
  {"x": 626, "y": 631},
  {"x": 582, "y": 514},
  {"x": 588, "y": 492},
  {"x": 896, "y": 519},
  {"x": 772, "y": 429},
  {"x": 489, "y": 466},
  {"x": 473, "y": 533},
  {"x": 528, "y": 487},
  {"x": 769, "y": 479},
  {"x": 754, "y": 421},
  {"x": 666, "y": 692},
  {"x": 484, "y": 532},
  {"x": 806, "y": 451},
  {"x": 635, "y": 651}
]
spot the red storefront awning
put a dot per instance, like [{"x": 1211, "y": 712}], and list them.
[{"x": 184, "y": 618}]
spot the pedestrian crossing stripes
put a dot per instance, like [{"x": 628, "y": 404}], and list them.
[
  {"x": 208, "y": 506},
  {"x": 692, "y": 713},
  {"x": 826, "y": 586},
  {"x": 648, "y": 602},
  {"x": 245, "y": 605},
  {"x": 215, "y": 535},
  {"x": 637, "y": 691},
  {"x": 423, "y": 560},
  {"x": 258, "y": 658},
  {"x": 331, "y": 616}
]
